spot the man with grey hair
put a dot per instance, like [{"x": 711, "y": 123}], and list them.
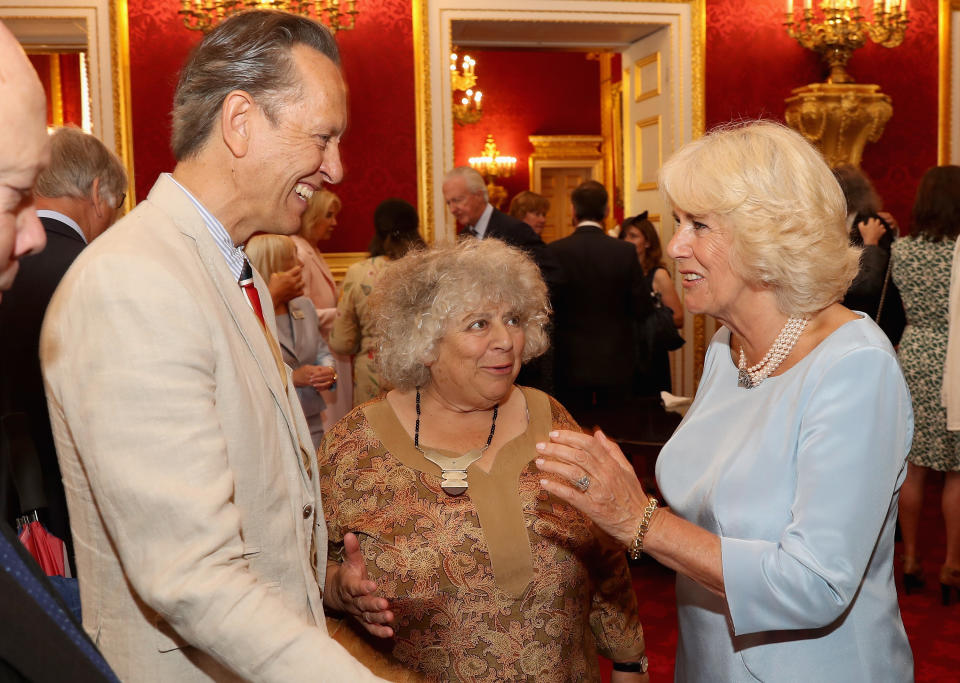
[
  {"x": 190, "y": 477},
  {"x": 77, "y": 196},
  {"x": 465, "y": 195}
]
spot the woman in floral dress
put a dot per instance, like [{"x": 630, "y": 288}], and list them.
[
  {"x": 395, "y": 232},
  {"x": 921, "y": 269}
]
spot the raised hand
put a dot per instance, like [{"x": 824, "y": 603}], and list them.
[
  {"x": 348, "y": 589},
  {"x": 613, "y": 497}
]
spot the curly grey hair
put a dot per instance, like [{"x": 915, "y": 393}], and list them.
[{"x": 417, "y": 298}]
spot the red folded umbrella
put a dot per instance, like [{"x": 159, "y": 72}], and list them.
[{"x": 47, "y": 549}]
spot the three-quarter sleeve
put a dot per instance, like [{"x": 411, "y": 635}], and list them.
[
  {"x": 614, "y": 616},
  {"x": 855, "y": 432}
]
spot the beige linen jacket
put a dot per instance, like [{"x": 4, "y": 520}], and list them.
[{"x": 191, "y": 509}]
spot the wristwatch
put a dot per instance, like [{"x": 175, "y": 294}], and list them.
[{"x": 633, "y": 667}]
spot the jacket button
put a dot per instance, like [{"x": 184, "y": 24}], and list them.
[{"x": 307, "y": 511}]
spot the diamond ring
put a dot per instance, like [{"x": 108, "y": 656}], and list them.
[{"x": 583, "y": 483}]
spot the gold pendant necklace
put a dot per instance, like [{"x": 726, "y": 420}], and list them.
[{"x": 453, "y": 479}]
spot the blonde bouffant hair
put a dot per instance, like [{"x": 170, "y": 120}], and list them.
[
  {"x": 322, "y": 201},
  {"x": 418, "y": 298},
  {"x": 782, "y": 204}
]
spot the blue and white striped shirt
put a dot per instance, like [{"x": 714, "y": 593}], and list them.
[{"x": 233, "y": 255}]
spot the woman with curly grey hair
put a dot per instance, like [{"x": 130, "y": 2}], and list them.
[
  {"x": 782, "y": 480},
  {"x": 480, "y": 575}
]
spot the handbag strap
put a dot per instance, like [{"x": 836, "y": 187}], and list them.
[{"x": 886, "y": 283}]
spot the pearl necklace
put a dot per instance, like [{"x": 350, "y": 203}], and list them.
[{"x": 750, "y": 377}]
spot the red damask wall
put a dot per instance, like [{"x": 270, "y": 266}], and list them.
[
  {"x": 752, "y": 65},
  {"x": 379, "y": 149},
  {"x": 530, "y": 93}
]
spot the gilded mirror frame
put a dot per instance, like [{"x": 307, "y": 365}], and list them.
[
  {"x": 108, "y": 57},
  {"x": 948, "y": 139}
]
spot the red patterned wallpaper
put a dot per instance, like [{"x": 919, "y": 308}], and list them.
[
  {"x": 70, "y": 85},
  {"x": 379, "y": 149},
  {"x": 530, "y": 93},
  {"x": 752, "y": 65}
]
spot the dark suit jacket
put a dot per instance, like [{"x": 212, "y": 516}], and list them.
[
  {"x": 21, "y": 384},
  {"x": 601, "y": 295},
  {"x": 516, "y": 233},
  {"x": 40, "y": 640}
]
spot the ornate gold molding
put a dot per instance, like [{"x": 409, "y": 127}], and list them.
[
  {"x": 945, "y": 94},
  {"x": 424, "y": 117},
  {"x": 566, "y": 146},
  {"x": 56, "y": 90},
  {"x": 108, "y": 64},
  {"x": 340, "y": 261},
  {"x": 840, "y": 118},
  {"x": 122, "y": 108}
]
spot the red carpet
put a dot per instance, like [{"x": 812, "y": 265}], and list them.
[{"x": 934, "y": 630}]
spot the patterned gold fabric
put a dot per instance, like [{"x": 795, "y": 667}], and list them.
[{"x": 459, "y": 616}]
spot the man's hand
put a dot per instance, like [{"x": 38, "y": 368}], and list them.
[
  {"x": 286, "y": 285},
  {"x": 348, "y": 589}
]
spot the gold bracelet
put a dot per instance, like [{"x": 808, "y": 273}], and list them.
[{"x": 637, "y": 550}]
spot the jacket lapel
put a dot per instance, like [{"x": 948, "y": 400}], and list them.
[{"x": 166, "y": 194}]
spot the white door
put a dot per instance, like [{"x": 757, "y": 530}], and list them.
[
  {"x": 648, "y": 135},
  {"x": 650, "y": 115}
]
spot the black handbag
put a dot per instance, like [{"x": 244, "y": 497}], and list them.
[{"x": 659, "y": 327}]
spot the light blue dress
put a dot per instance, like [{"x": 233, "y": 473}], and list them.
[{"x": 799, "y": 477}]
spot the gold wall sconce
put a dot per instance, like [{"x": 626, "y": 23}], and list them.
[
  {"x": 492, "y": 165},
  {"x": 203, "y": 15},
  {"x": 840, "y": 116},
  {"x": 467, "y": 100}
]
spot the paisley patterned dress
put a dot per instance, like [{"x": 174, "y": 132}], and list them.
[
  {"x": 921, "y": 270},
  {"x": 502, "y": 583}
]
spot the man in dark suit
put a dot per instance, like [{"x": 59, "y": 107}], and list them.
[
  {"x": 465, "y": 194},
  {"x": 595, "y": 310},
  {"x": 77, "y": 195},
  {"x": 39, "y": 639}
]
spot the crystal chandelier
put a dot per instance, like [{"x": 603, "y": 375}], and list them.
[
  {"x": 492, "y": 165},
  {"x": 203, "y": 15},
  {"x": 467, "y": 101},
  {"x": 842, "y": 29}
]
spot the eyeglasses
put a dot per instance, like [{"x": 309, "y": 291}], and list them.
[{"x": 123, "y": 198}]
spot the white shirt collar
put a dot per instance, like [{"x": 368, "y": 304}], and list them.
[
  {"x": 63, "y": 218},
  {"x": 593, "y": 223},
  {"x": 481, "y": 227},
  {"x": 232, "y": 254}
]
